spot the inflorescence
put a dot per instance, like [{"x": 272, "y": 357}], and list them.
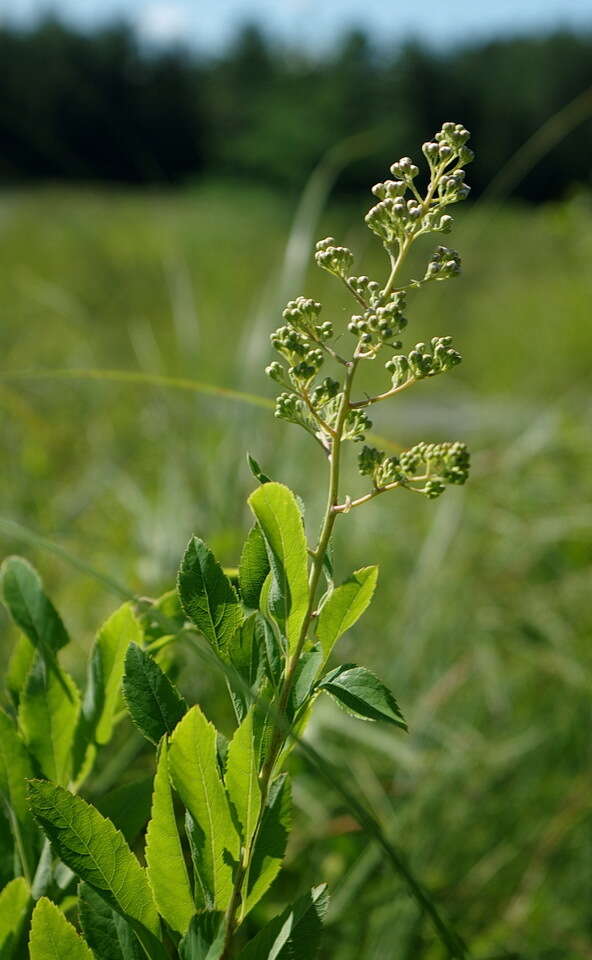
[{"x": 305, "y": 342}]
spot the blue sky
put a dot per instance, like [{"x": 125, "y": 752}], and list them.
[{"x": 210, "y": 22}]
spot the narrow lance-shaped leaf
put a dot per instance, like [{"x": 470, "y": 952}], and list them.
[
  {"x": 195, "y": 775},
  {"x": 167, "y": 873},
  {"x": 128, "y": 806},
  {"x": 48, "y": 714},
  {"x": 345, "y": 605},
  {"x": 52, "y": 937},
  {"x": 94, "y": 850},
  {"x": 30, "y": 607},
  {"x": 362, "y": 694},
  {"x": 208, "y": 597},
  {"x": 15, "y": 769},
  {"x": 205, "y": 938},
  {"x": 253, "y": 568},
  {"x": 271, "y": 842},
  {"x": 20, "y": 663},
  {"x": 242, "y": 775},
  {"x": 277, "y": 513},
  {"x": 105, "y": 671},
  {"x": 15, "y": 902},
  {"x": 155, "y": 705},
  {"x": 107, "y": 933},
  {"x": 296, "y": 934}
]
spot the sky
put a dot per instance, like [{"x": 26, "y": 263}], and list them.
[{"x": 210, "y": 23}]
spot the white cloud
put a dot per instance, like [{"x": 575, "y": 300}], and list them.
[{"x": 163, "y": 21}]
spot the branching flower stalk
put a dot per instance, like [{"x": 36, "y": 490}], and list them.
[{"x": 272, "y": 631}]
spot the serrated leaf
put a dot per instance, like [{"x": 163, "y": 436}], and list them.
[
  {"x": 277, "y": 513},
  {"x": 105, "y": 671},
  {"x": 271, "y": 842},
  {"x": 30, "y": 607},
  {"x": 52, "y": 937},
  {"x": 154, "y": 703},
  {"x": 15, "y": 769},
  {"x": 108, "y": 935},
  {"x": 205, "y": 938},
  {"x": 344, "y": 607},
  {"x": 95, "y": 851},
  {"x": 15, "y": 903},
  {"x": 362, "y": 694},
  {"x": 208, "y": 597},
  {"x": 167, "y": 873},
  {"x": 195, "y": 774},
  {"x": 296, "y": 934},
  {"x": 253, "y": 568},
  {"x": 128, "y": 806},
  {"x": 48, "y": 714},
  {"x": 242, "y": 775}
]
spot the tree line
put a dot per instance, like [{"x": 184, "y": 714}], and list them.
[{"x": 88, "y": 107}]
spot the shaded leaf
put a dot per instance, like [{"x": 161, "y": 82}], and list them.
[
  {"x": 30, "y": 607},
  {"x": 253, "y": 568},
  {"x": 15, "y": 903},
  {"x": 271, "y": 842},
  {"x": 94, "y": 850},
  {"x": 296, "y": 934},
  {"x": 154, "y": 703},
  {"x": 19, "y": 665},
  {"x": 362, "y": 694},
  {"x": 208, "y": 597},
  {"x": 344, "y": 607},
  {"x": 15, "y": 769},
  {"x": 205, "y": 938},
  {"x": 108, "y": 935},
  {"x": 52, "y": 937},
  {"x": 48, "y": 714},
  {"x": 128, "y": 806},
  {"x": 242, "y": 775},
  {"x": 196, "y": 777},
  {"x": 309, "y": 667},
  {"x": 105, "y": 671},
  {"x": 277, "y": 513},
  {"x": 167, "y": 873}
]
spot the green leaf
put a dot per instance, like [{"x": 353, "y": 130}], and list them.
[
  {"x": 15, "y": 902},
  {"x": 30, "y": 607},
  {"x": 196, "y": 777},
  {"x": 296, "y": 934},
  {"x": 277, "y": 513},
  {"x": 108, "y": 935},
  {"x": 253, "y": 568},
  {"x": 155, "y": 704},
  {"x": 48, "y": 714},
  {"x": 362, "y": 694},
  {"x": 344, "y": 607},
  {"x": 19, "y": 665},
  {"x": 167, "y": 873},
  {"x": 94, "y": 850},
  {"x": 128, "y": 806},
  {"x": 52, "y": 937},
  {"x": 205, "y": 938},
  {"x": 105, "y": 671},
  {"x": 15, "y": 769},
  {"x": 242, "y": 775},
  {"x": 256, "y": 470},
  {"x": 309, "y": 667},
  {"x": 271, "y": 842},
  {"x": 208, "y": 597}
]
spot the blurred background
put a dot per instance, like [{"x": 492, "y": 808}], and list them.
[{"x": 165, "y": 168}]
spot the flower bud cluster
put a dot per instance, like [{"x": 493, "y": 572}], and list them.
[
  {"x": 438, "y": 463},
  {"x": 423, "y": 361},
  {"x": 336, "y": 260},
  {"x": 452, "y": 187},
  {"x": 356, "y": 425},
  {"x": 379, "y": 324},
  {"x": 304, "y": 315},
  {"x": 393, "y": 220},
  {"x": 444, "y": 264}
]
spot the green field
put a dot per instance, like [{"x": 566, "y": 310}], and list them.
[{"x": 483, "y": 617}]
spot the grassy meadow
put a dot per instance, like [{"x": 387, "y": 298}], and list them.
[{"x": 483, "y": 619}]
